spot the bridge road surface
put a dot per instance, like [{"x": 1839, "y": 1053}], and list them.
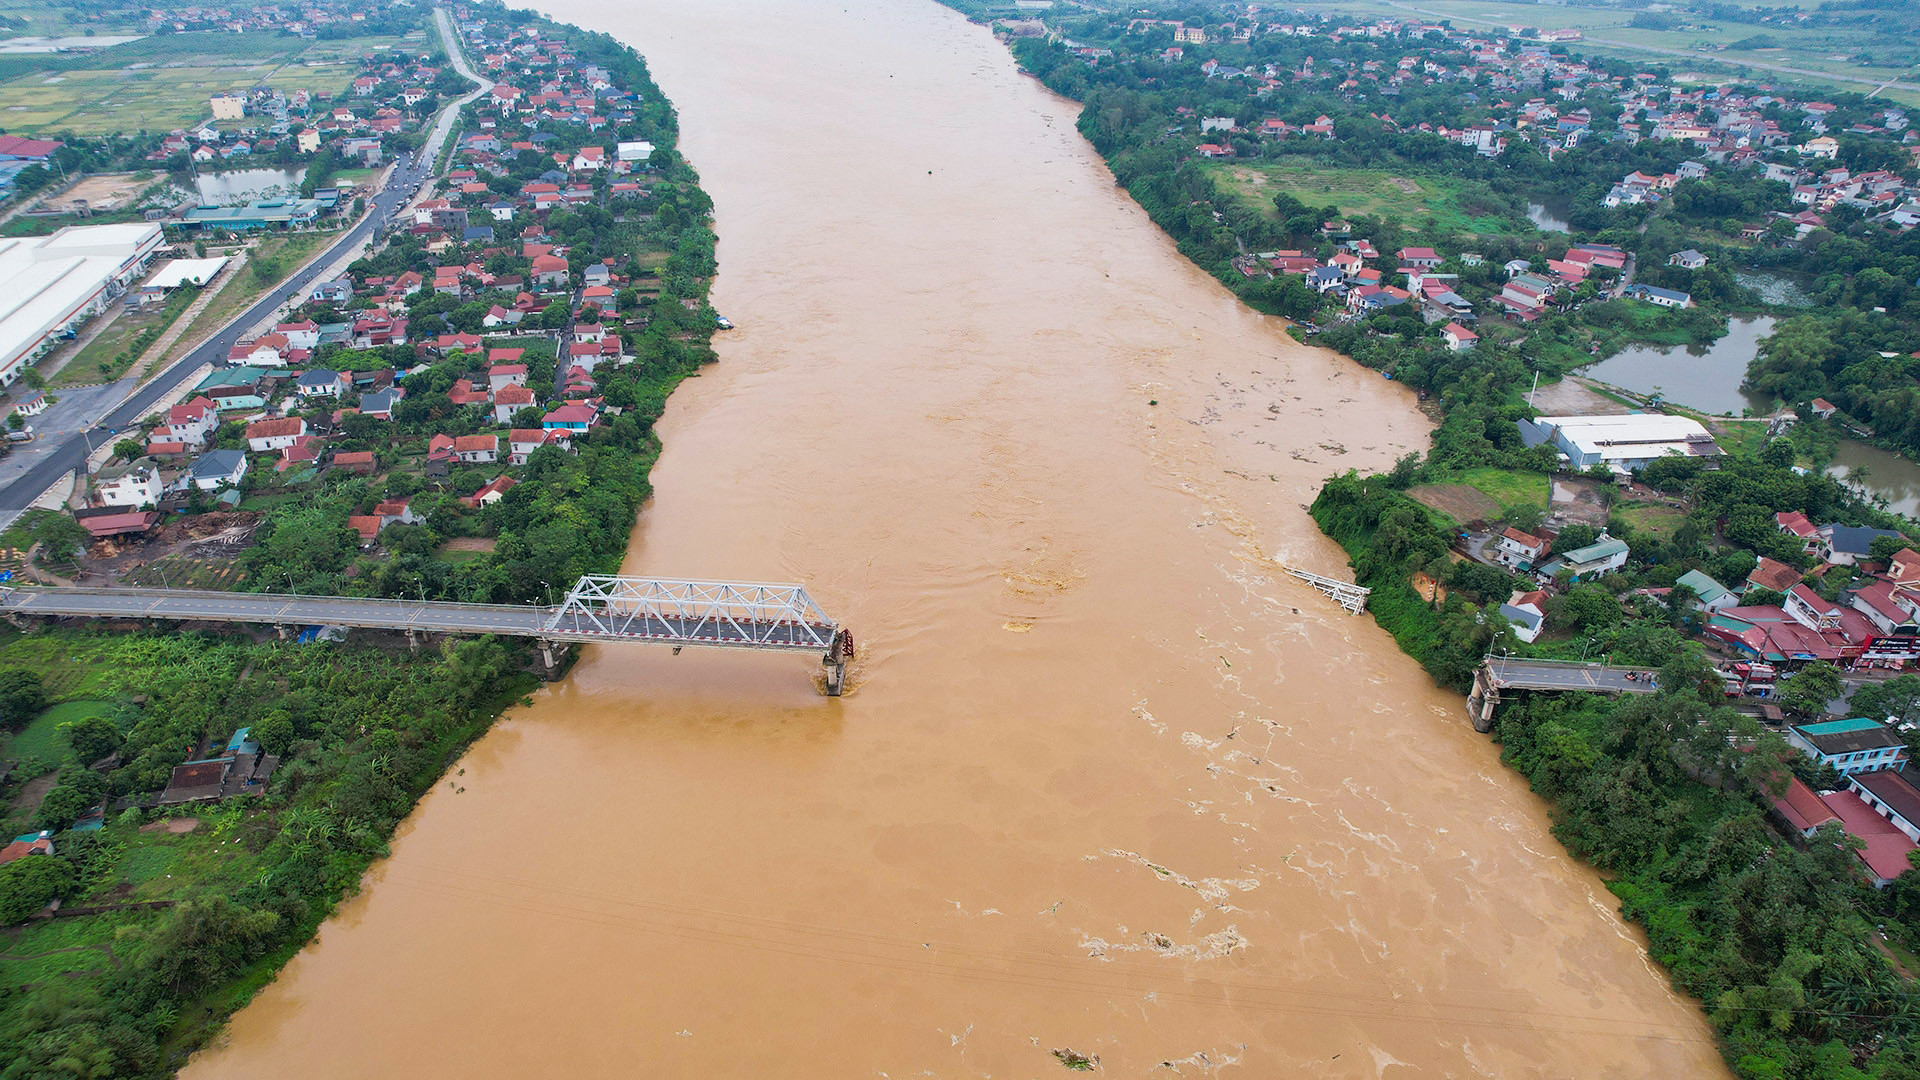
[
  {"x": 431, "y": 616},
  {"x": 407, "y": 174},
  {"x": 1522, "y": 675}
]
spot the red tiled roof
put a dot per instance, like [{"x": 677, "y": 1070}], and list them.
[
  {"x": 1801, "y": 807},
  {"x": 1796, "y": 523},
  {"x": 368, "y": 527},
  {"x": 266, "y": 429},
  {"x": 1886, "y": 846},
  {"x": 467, "y": 444},
  {"x": 1774, "y": 574}
]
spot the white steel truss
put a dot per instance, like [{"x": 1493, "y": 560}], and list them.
[{"x": 677, "y": 612}]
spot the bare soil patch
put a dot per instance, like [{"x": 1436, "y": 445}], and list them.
[
  {"x": 198, "y": 551},
  {"x": 469, "y": 543},
  {"x": 1579, "y": 502},
  {"x": 176, "y": 826},
  {"x": 1463, "y": 503},
  {"x": 1573, "y": 396}
]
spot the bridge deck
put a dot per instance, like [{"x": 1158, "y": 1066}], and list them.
[
  {"x": 1564, "y": 675},
  {"x": 549, "y": 623}
]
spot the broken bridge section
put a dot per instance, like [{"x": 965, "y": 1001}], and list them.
[{"x": 599, "y": 609}]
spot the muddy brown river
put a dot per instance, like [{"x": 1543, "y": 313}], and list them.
[{"x": 1105, "y": 782}]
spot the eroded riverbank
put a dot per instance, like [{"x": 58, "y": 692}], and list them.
[{"x": 1103, "y": 782}]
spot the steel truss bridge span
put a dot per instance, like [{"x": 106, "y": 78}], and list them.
[{"x": 599, "y": 609}]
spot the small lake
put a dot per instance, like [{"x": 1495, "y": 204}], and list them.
[
  {"x": 1548, "y": 218},
  {"x": 1709, "y": 381},
  {"x": 246, "y": 185},
  {"x": 1775, "y": 288},
  {"x": 1881, "y": 473}
]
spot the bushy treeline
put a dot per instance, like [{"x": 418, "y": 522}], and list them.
[{"x": 362, "y": 734}]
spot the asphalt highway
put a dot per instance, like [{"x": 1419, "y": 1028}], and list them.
[{"x": 403, "y": 181}]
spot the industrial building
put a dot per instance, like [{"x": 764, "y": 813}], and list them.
[
  {"x": 283, "y": 213},
  {"x": 50, "y": 285},
  {"x": 1622, "y": 443}
]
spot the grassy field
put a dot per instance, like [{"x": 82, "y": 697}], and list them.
[
  {"x": 1832, "y": 50},
  {"x": 42, "y": 739},
  {"x": 1412, "y": 200},
  {"x": 161, "y": 84},
  {"x": 243, "y": 288},
  {"x": 1510, "y": 488},
  {"x": 115, "y": 347},
  {"x": 1649, "y": 519}
]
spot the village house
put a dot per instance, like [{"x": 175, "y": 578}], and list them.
[
  {"x": 1598, "y": 559},
  {"x": 133, "y": 483},
  {"x": 1519, "y": 550},
  {"x": 1850, "y": 746},
  {"x": 218, "y": 468},
  {"x": 265, "y": 435}
]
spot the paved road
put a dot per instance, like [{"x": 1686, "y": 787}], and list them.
[
  {"x": 1538, "y": 675},
  {"x": 529, "y": 621},
  {"x": 61, "y": 451}
]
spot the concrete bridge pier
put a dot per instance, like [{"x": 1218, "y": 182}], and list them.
[
  {"x": 1483, "y": 700},
  {"x": 839, "y": 652},
  {"x": 413, "y": 641},
  {"x": 281, "y": 630},
  {"x": 546, "y": 657}
]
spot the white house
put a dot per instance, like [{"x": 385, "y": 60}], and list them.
[
  {"x": 1527, "y": 613},
  {"x": 1851, "y": 746},
  {"x": 304, "y": 334},
  {"x": 218, "y": 468},
  {"x": 266, "y": 435},
  {"x": 136, "y": 483},
  {"x": 1519, "y": 550},
  {"x": 1891, "y": 795},
  {"x": 1459, "y": 338},
  {"x": 193, "y": 422}
]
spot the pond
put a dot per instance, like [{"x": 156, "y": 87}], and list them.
[
  {"x": 1775, "y": 288},
  {"x": 1548, "y": 217},
  {"x": 1708, "y": 380},
  {"x": 246, "y": 185},
  {"x": 1880, "y": 473}
]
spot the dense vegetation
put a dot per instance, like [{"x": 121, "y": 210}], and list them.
[{"x": 363, "y": 734}]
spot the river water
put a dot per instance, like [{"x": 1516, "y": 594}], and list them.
[{"x": 1104, "y": 782}]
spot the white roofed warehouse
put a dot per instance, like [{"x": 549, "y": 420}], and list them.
[
  {"x": 50, "y": 285},
  {"x": 1622, "y": 443}
]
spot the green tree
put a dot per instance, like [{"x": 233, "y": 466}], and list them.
[
  {"x": 128, "y": 449},
  {"x": 1808, "y": 692},
  {"x": 29, "y": 884},
  {"x": 1589, "y": 607},
  {"x": 1898, "y": 699},
  {"x": 91, "y": 738},
  {"x": 22, "y": 697}
]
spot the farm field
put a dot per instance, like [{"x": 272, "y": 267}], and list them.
[
  {"x": 1833, "y": 50},
  {"x": 162, "y": 84},
  {"x": 1413, "y": 201}
]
